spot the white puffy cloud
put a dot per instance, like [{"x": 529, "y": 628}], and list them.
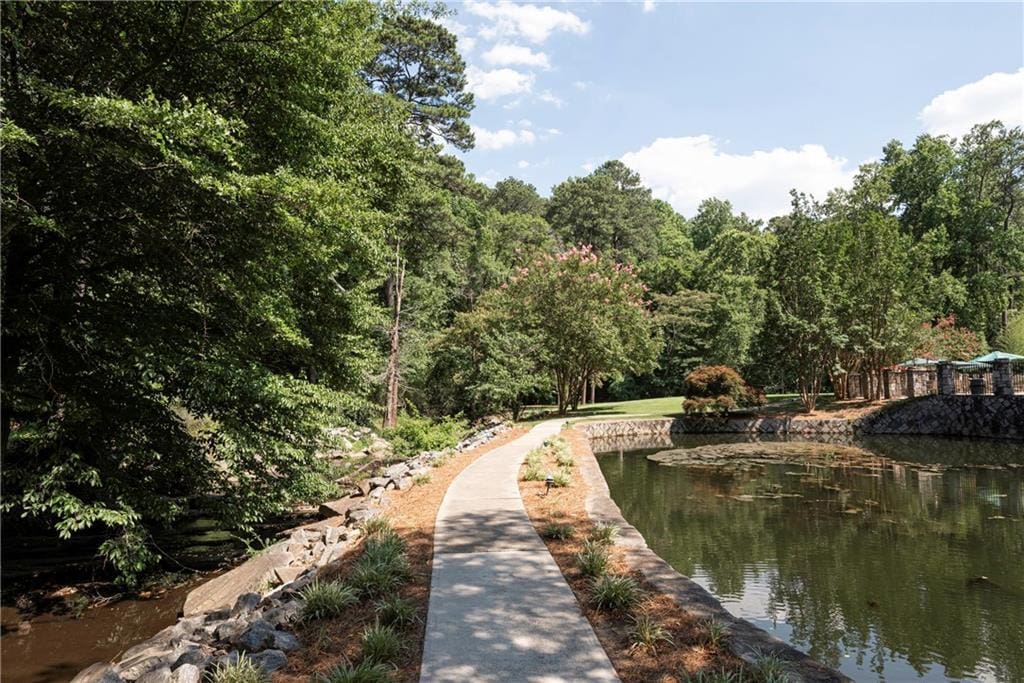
[
  {"x": 508, "y": 54},
  {"x": 488, "y": 85},
  {"x": 648, "y": 5},
  {"x": 533, "y": 22},
  {"x": 523, "y": 164},
  {"x": 500, "y": 139},
  {"x": 996, "y": 96},
  {"x": 551, "y": 98},
  {"x": 581, "y": 85},
  {"x": 686, "y": 170},
  {"x": 461, "y": 31}
]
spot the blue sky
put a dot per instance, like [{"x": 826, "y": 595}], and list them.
[{"x": 741, "y": 101}]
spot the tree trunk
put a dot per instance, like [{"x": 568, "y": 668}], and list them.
[
  {"x": 394, "y": 290},
  {"x": 593, "y": 391}
]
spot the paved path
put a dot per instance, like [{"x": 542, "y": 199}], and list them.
[{"x": 500, "y": 609}]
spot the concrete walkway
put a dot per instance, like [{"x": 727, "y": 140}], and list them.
[{"x": 500, "y": 609}]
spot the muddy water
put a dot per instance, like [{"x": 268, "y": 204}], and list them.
[
  {"x": 57, "y": 646},
  {"x": 908, "y": 569}
]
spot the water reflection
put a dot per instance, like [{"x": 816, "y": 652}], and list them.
[{"x": 874, "y": 570}]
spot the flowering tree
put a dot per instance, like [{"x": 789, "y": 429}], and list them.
[{"x": 586, "y": 316}]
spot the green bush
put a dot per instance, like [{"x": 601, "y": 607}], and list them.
[
  {"x": 561, "y": 479},
  {"x": 382, "y": 568},
  {"x": 242, "y": 671},
  {"x": 559, "y": 532},
  {"x": 376, "y": 525},
  {"x": 770, "y": 668},
  {"x": 715, "y": 632},
  {"x": 564, "y": 460},
  {"x": 413, "y": 434},
  {"x": 592, "y": 560},
  {"x": 531, "y": 473},
  {"x": 365, "y": 672},
  {"x": 718, "y": 388},
  {"x": 381, "y": 644},
  {"x": 394, "y": 611},
  {"x": 385, "y": 546},
  {"x": 325, "y": 599},
  {"x": 614, "y": 592}
]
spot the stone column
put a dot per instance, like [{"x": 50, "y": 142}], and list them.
[
  {"x": 910, "y": 382},
  {"x": 886, "y": 384},
  {"x": 1002, "y": 379},
  {"x": 947, "y": 386}
]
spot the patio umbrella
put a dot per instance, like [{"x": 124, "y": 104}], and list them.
[
  {"x": 919, "y": 361},
  {"x": 996, "y": 355}
]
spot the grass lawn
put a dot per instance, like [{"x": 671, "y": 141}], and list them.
[{"x": 666, "y": 406}]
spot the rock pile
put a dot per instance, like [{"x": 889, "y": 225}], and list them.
[{"x": 248, "y": 609}]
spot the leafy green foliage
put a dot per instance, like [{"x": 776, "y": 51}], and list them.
[
  {"x": 592, "y": 560},
  {"x": 646, "y": 633},
  {"x": 326, "y": 599},
  {"x": 1012, "y": 338},
  {"x": 382, "y": 568},
  {"x": 614, "y": 592},
  {"x": 715, "y": 632},
  {"x": 397, "y": 612},
  {"x": 415, "y": 434},
  {"x": 604, "y": 534},
  {"x": 364, "y": 672},
  {"x": 561, "y": 479},
  {"x": 558, "y": 532},
  {"x": 244, "y": 670},
  {"x": 381, "y": 644}
]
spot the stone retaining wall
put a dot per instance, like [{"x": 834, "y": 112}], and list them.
[{"x": 994, "y": 417}]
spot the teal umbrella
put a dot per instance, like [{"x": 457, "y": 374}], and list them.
[{"x": 996, "y": 355}]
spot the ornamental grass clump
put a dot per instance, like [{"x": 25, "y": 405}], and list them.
[
  {"x": 604, "y": 534},
  {"x": 561, "y": 479},
  {"x": 364, "y": 672},
  {"x": 397, "y": 612},
  {"x": 382, "y": 568},
  {"x": 376, "y": 525},
  {"x": 592, "y": 560},
  {"x": 558, "y": 532},
  {"x": 715, "y": 632},
  {"x": 381, "y": 644},
  {"x": 645, "y": 633},
  {"x": 614, "y": 592},
  {"x": 770, "y": 668},
  {"x": 564, "y": 460},
  {"x": 244, "y": 670},
  {"x": 531, "y": 473},
  {"x": 326, "y": 599}
]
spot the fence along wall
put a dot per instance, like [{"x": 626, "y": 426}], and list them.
[{"x": 1001, "y": 378}]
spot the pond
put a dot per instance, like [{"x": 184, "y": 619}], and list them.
[{"x": 901, "y": 560}]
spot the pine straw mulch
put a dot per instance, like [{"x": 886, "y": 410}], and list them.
[
  {"x": 333, "y": 642},
  {"x": 689, "y": 653}
]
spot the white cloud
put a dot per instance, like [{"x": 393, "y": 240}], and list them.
[
  {"x": 551, "y": 132},
  {"x": 686, "y": 170},
  {"x": 533, "y": 22},
  {"x": 648, "y": 6},
  {"x": 488, "y": 85},
  {"x": 507, "y": 54},
  {"x": 461, "y": 31},
  {"x": 500, "y": 139},
  {"x": 526, "y": 123},
  {"x": 996, "y": 96},
  {"x": 551, "y": 98},
  {"x": 588, "y": 167},
  {"x": 523, "y": 164},
  {"x": 581, "y": 85}
]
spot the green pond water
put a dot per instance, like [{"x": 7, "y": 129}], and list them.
[{"x": 876, "y": 570}]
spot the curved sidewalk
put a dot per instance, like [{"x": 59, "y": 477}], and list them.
[{"x": 500, "y": 609}]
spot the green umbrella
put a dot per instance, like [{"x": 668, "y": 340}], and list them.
[{"x": 996, "y": 355}]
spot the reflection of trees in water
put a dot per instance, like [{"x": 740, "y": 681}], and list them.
[{"x": 874, "y": 564}]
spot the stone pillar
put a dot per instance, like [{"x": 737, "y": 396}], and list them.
[
  {"x": 886, "y": 384},
  {"x": 1002, "y": 379},
  {"x": 947, "y": 385},
  {"x": 910, "y": 382}
]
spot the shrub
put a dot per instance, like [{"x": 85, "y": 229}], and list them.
[
  {"x": 561, "y": 479},
  {"x": 592, "y": 560},
  {"x": 770, "y": 668},
  {"x": 365, "y": 672},
  {"x": 325, "y": 599},
  {"x": 564, "y": 460},
  {"x": 242, "y": 671},
  {"x": 421, "y": 479},
  {"x": 718, "y": 388},
  {"x": 384, "y": 546},
  {"x": 646, "y": 633},
  {"x": 614, "y": 592},
  {"x": 604, "y": 534},
  {"x": 413, "y": 434},
  {"x": 394, "y": 611},
  {"x": 559, "y": 532},
  {"x": 376, "y": 578},
  {"x": 381, "y": 644},
  {"x": 531, "y": 473},
  {"x": 535, "y": 458}
]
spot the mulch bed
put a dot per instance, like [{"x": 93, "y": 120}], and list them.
[
  {"x": 334, "y": 642},
  {"x": 689, "y": 652}
]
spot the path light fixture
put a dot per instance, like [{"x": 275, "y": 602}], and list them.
[{"x": 549, "y": 482}]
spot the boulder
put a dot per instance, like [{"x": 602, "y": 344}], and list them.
[
  {"x": 378, "y": 483},
  {"x": 288, "y": 574},
  {"x": 189, "y": 653},
  {"x": 335, "y": 508},
  {"x": 360, "y": 514},
  {"x": 187, "y": 673},
  {"x": 396, "y": 471},
  {"x": 100, "y": 672},
  {"x": 403, "y": 484},
  {"x": 134, "y": 667},
  {"x": 246, "y": 603},
  {"x": 230, "y": 630},
  {"x": 270, "y": 660},
  {"x": 259, "y": 636},
  {"x": 283, "y": 614},
  {"x": 286, "y": 642},
  {"x": 248, "y": 577},
  {"x": 161, "y": 674}
]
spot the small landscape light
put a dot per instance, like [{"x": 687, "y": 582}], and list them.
[{"x": 549, "y": 482}]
